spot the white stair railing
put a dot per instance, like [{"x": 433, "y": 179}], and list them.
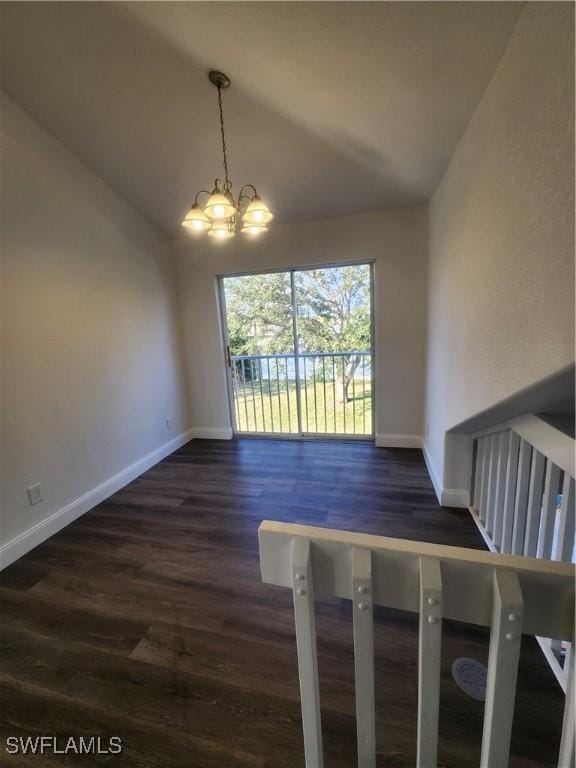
[
  {"x": 510, "y": 594},
  {"x": 523, "y": 500}
]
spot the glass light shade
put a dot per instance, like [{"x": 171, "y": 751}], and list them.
[
  {"x": 254, "y": 229},
  {"x": 196, "y": 219},
  {"x": 219, "y": 206},
  {"x": 257, "y": 213},
  {"x": 221, "y": 230}
]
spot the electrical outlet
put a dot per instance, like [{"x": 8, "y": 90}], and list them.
[
  {"x": 168, "y": 423},
  {"x": 35, "y": 494}
]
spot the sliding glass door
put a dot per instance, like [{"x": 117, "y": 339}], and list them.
[{"x": 299, "y": 351}]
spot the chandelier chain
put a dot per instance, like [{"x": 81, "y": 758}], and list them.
[
  {"x": 223, "y": 136},
  {"x": 222, "y": 215}
]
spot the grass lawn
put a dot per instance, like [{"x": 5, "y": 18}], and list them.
[{"x": 264, "y": 407}]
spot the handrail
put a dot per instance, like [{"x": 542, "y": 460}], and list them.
[
  {"x": 551, "y": 608},
  {"x": 523, "y": 501},
  {"x": 547, "y": 439},
  {"x": 510, "y": 594},
  {"x": 286, "y": 356},
  {"x": 283, "y": 356}
]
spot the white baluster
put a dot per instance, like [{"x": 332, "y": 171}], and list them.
[
  {"x": 566, "y": 525},
  {"x": 534, "y": 504},
  {"x": 491, "y": 496},
  {"x": 485, "y": 476},
  {"x": 479, "y": 475},
  {"x": 510, "y": 493},
  {"x": 549, "y": 506},
  {"x": 429, "y": 658},
  {"x": 521, "y": 504},
  {"x": 362, "y": 601},
  {"x": 303, "y": 592},
  {"x": 502, "y": 460},
  {"x": 503, "y": 657}
]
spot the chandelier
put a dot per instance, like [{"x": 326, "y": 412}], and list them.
[{"x": 221, "y": 214}]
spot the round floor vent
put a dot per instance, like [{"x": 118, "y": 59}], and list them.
[{"x": 470, "y": 676}]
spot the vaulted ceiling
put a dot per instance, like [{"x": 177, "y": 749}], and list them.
[{"x": 335, "y": 107}]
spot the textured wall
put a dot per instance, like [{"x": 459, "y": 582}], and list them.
[
  {"x": 501, "y": 264},
  {"x": 91, "y": 363},
  {"x": 395, "y": 239}
]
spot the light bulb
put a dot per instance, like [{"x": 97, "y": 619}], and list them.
[
  {"x": 196, "y": 219},
  {"x": 220, "y": 205},
  {"x": 257, "y": 212},
  {"x": 254, "y": 230},
  {"x": 222, "y": 230}
]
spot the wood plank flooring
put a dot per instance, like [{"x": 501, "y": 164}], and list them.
[{"x": 146, "y": 619}]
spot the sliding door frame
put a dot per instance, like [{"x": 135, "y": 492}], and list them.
[
  {"x": 302, "y": 435},
  {"x": 296, "y": 339}
]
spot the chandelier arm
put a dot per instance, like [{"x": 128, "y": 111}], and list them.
[
  {"x": 202, "y": 192},
  {"x": 252, "y": 187},
  {"x": 221, "y": 199},
  {"x": 243, "y": 201},
  {"x": 248, "y": 198},
  {"x": 223, "y": 137}
]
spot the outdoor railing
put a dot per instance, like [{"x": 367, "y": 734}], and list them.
[{"x": 326, "y": 393}]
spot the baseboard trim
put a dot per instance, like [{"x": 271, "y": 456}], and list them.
[
  {"x": 432, "y": 473},
  {"x": 24, "y": 542},
  {"x": 398, "y": 441},
  {"x": 483, "y": 532},
  {"x": 447, "y": 497},
  {"x": 455, "y": 497},
  {"x": 213, "y": 433},
  {"x": 560, "y": 672}
]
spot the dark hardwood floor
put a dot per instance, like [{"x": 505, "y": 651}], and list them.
[{"x": 146, "y": 619}]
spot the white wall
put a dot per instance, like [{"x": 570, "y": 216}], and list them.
[
  {"x": 90, "y": 344},
  {"x": 395, "y": 239},
  {"x": 501, "y": 263}
]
